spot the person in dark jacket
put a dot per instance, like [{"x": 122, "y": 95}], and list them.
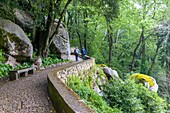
[
  {"x": 83, "y": 53},
  {"x": 76, "y": 53}
]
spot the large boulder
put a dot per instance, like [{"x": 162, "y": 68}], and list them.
[
  {"x": 148, "y": 81},
  {"x": 154, "y": 88},
  {"x": 14, "y": 41},
  {"x": 24, "y": 20},
  {"x": 60, "y": 44},
  {"x": 110, "y": 73}
]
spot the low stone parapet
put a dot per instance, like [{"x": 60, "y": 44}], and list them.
[{"x": 63, "y": 98}]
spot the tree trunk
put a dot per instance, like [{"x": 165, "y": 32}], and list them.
[
  {"x": 168, "y": 55},
  {"x": 134, "y": 52},
  {"x": 143, "y": 59},
  {"x": 42, "y": 36},
  {"x": 86, "y": 29},
  {"x": 154, "y": 58},
  {"x": 168, "y": 62},
  {"x": 50, "y": 21},
  {"x": 80, "y": 42},
  {"x": 38, "y": 40},
  {"x": 59, "y": 22},
  {"x": 110, "y": 44},
  {"x": 45, "y": 38}
]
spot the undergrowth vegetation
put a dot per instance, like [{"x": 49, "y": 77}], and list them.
[
  {"x": 5, "y": 68},
  {"x": 91, "y": 98},
  {"x": 133, "y": 98},
  {"x": 117, "y": 95},
  {"x": 51, "y": 59}
]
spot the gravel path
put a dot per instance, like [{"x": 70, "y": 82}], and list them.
[{"x": 26, "y": 95}]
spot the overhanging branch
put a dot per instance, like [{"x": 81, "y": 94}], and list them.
[{"x": 59, "y": 22}]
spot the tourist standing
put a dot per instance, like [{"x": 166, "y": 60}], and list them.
[
  {"x": 83, "y": 53},
  {"x": 76, "y": 53}
]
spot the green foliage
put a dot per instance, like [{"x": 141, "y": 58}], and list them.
[
  {"x": 6, "y": 11},
  {"x": 23, "y": 65},
  {"x": 89, "y": 96},
  {"x": 51, "y": 59},
  {"x": 123, "y": 96},
  {"x": 4, "y": 69},
  {"x": 1, "y": 56},
  {"x": 126, "y": 30},
  {"x": 133, "y": 98}
]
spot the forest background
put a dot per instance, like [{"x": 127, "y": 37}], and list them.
[{"x": 131, "y": 36}]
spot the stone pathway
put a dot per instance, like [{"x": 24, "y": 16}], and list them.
[{"x": 27, "y": 95}]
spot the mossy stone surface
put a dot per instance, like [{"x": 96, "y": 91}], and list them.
[{"x": 14, "y": 41}]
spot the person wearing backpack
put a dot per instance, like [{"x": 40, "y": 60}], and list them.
[
  {"x": 83, "y": 53},
  {"x": 76, "y": 53}
]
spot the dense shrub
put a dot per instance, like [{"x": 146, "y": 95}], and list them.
[
  {"x": 122, "y": 96},
  {"x": 90, "y": 97},
  {"x": 51, "y": 59},
  {"x": 133, "y": 98}
]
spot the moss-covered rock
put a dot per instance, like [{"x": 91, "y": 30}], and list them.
[{"x": 14, "y": 41}]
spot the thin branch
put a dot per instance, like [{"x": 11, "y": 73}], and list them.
[{"x": 59, "y": 22}]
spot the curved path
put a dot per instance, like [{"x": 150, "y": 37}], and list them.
[{"x": 27, "y": 95}]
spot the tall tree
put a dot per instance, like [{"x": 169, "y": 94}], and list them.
[
  {"x": 143, "y": 18},
  {"x": 45, "y": 13}
]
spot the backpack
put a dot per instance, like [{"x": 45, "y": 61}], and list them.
[{"x": 76, "y": 51}]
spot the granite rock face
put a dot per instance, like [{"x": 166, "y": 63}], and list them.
[
  {"x": 24, "y": 20},
  {"x": 13, "y": 41},
  {"x": 110, "y": 73},
  {"x": 60, "y": 44}
]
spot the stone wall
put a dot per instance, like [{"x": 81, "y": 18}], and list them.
[
  {"x": 75, "y": 69},
  {"x": 62, "y": 97}
]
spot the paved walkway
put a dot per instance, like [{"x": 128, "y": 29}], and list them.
[{"x": 27, "y": 95}]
